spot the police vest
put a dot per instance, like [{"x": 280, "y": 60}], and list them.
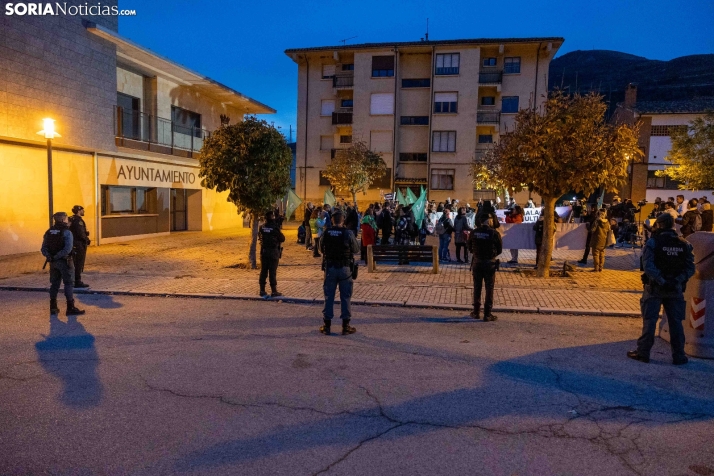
[
  {"x": 54, "y": 239},
  {"x": 337, "y": 245},
  {"x": 269, "y": 236},
  {"x": 670, "y": 254},
  {"x": 484, "y": 243}
]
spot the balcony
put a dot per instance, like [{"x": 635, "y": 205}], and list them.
[
  {"x": 488, "y": 117},
  {"x": 481, "y": 150},
  {"x": 341, "y": 118},
  {"x": 343, "y": 80},
  {"x": 490, "y": 77},
  {"x": 136, "y": 130}
]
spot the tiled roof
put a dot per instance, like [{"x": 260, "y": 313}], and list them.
[{"x": 686, "y": 106}]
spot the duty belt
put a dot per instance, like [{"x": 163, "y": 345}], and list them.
[
  {"x": 333, "y": 263},
  {"x": 477, "y": 260}
]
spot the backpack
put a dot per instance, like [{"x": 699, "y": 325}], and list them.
[
  {"x": 440, "y": 229},
  {"x": 402, "y": 224},
  {"x": 301, "y": 235}
]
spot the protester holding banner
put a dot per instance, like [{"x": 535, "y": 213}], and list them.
[{"x": 516, "y": 216}]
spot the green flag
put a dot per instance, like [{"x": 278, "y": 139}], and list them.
[
  {"x": 400, "y": 198},
  {"x": 329, "y": 198},
  {"x": 293, "y": 202},
  {"x": 411, "y": 198},
  {"x": 419, "y": 209},
  {"x": 422, "y": 190}
]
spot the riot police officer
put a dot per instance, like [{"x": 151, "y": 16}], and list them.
[
  {"x": 80, "y": 236},
  {"x": 338, "y": 246},
  {"x": 57, "y": 247},
  {"x": 485, "y": 245},
  {"x": 271, "y": 239},
  {"x": 668, "y": 263}
]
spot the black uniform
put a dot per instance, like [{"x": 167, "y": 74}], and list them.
[
  {"x": 338, "y": 245},
  {"x": 270, "y": 238},
  {"x": 81, "y": 242},
  {"x": 386, "y": 226},
  {"x": 57, "y": 249},
  {"x": 485, "y": 245},
  {"x": 668, "y": 263}
]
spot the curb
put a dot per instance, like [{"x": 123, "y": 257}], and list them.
[{"x": 357, "y": 302}]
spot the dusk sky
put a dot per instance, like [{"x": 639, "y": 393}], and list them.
[{"x": 241, "y": 43}]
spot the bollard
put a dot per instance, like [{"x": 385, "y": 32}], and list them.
[{"x": 699, "y": 317}]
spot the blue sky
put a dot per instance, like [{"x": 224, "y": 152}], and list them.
[{"x": 241, "y": 43}]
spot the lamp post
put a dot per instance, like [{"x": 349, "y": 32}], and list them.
[{"x": 49, "y": 133}]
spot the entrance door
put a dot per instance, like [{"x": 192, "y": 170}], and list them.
[{"x": 179, "y": 219}]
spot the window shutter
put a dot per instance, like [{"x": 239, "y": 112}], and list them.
[
  {"x": 328, "y": 70},
  {"x": 328, "y": 107},
  {"x": 381, "y": 141},
  {"x": 382, "y": 103},
  {"x": 382, "y": 62},
  {"x": 445, "y": 97},
  {"x": 452, "y": 141},
  {"x": 436, "y": 141},
  {"x": 439, "y": 61}
]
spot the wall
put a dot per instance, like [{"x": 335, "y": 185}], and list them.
[
  {"x": 131, "y": 83},
  {"x": 218, "y": 213},
  {"x": 661, "y": 145}
]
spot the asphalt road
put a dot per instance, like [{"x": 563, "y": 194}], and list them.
[{"x": 147, "y": 385}]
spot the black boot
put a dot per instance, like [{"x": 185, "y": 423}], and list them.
[
  {"x": 54, "y": 308},
  {"x": 80, "y": 285},
  {"x": 476, "y": 313},
  {"x": 274, "y": 292},
  {"x": 325, "y": 328},
  {"x": 487, "y": 316},
  {"x": 73, "y": 311},
  {"x": 346, "y": 328},
  {"x": 262, "y": 291}
]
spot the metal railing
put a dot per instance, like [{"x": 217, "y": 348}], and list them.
[
  {"x": 343, "y": 81},
  {"x": 341, "y": 118},
  {"x": 490, "y": 77},
  {"x": 488, "y": 117},
  {"x": 140, "y": 127}
]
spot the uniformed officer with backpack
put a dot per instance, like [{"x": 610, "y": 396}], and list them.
[
  {"x": 81, "y": 239},
  {"x": 485, "y": 245},
  {"x": 668, "y": 263},
  {"x": 270, "y": 238},
  {"x": 57, "y": 246},
  {"x": 338, "y": 246}
]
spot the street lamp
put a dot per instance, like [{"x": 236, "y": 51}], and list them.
[{"x": 49, "y": 133}]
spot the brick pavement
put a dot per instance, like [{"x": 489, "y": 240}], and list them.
[{"x": 212, "y": 263}]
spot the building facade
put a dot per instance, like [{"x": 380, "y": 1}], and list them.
[
  {"x": 657, "y": 120},
  {"x": 428, "y": 107},
  {"x": 131, "y": 123}
]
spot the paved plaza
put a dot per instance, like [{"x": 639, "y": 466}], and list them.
[{"x": 213, "y": 264}]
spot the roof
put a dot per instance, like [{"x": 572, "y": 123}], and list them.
[
  {"x": 399, "y": 44},
  {"x": 685, "y": 106},
  {"x": 148, "y": 62}
]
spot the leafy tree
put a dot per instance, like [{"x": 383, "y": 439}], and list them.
[
  {"x": 693, "y": 153},
  {"x": 564, "y": 146},
  {"x": 355, "y": 169},
  {"x": 251, "y": 160}
]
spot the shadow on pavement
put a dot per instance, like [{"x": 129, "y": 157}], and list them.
[
  {"x": 104, "y": 301},
  {"x": 69, "y": 354}
]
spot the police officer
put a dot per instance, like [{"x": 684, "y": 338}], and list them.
[
  {"x": 57, "y": 247},
  {"x": 485, "y": 245},
  {"x": 668, "y": 263},
  {"x": 270, "y": 238},
  {"x": 81, "y": 242},
  {"x": 338, "y": 246}
]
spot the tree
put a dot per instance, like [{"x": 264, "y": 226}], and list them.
[
  {"x": 566, "y": 145},
  {"x": 251, "y": 160},
  {"x": 355, "y": 169},
  {"x": 693, "y": 153}
]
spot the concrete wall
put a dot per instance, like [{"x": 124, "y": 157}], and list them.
[{"x": 661, "y": 145}]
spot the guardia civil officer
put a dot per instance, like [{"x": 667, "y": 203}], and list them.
[
  {"x": 80, "y": 236},
  {"x": 668, "y": 263},
  {"x": 57, "y": 246},
  {"x": 270, "y": 238},
  {"x": 338, "y": 246},
  {"x": 485, "y": 245}
]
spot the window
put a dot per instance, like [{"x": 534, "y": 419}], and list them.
[
  {"x": 382, "y": 66},
  {"x": 442, "y": 179},
  {"x": 415, "y": 120},
  {"x": 489, "y": 62},
  {"x": 384, "y": 182},
  {"x": 509, "y": 104},
  {"x": 381, "y": 141},
  {"x": 328, "y": 107},
  {"x": 664, "y": 183},
  {"x": 381, "y": 103},
  {"x": 128, "y": 200},
  {"x": 416, "y": 83},
  {"x": 345, "y": 139},
  {"x": 512, "y": 65},
  {"x": 328, "y": 71},
  {"x": 488, "y": 100},
  {"x": 324, "y": 180},
  {"x": 665, "y": 130},
  {"x": 412, "y": 157},
  {"x": 447, "y": 63},
  {"x": 443, "y": 141},
  {"x": 445, "y": 102},
  {"x": 485, "y": 139},
  {"x": 185, "y": 121},
  {"x": 348, "y": 67},
  {"x": 347, "y": 103}
]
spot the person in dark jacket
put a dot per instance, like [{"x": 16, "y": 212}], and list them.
[
  {"x": 690, "y": 218},
  {"x": 485, "y": 245},
  {"x": 80, "y": 237},
  {"x": 598, "y": 239},
  {"x": 57, "y": 247},
  {"x": 352, "y": 219},
  {"x": 385, "y": 224},
  {"x": 707, "y": 217},
  {"x": 445, "y": 237},
  {"x": 306, "y": 223},
  {"x": 461, "y": 235},
  {"x": 487, "y": 208},
  {"x": 271, "y": 240},
  {"x": 588, "y": 220}
]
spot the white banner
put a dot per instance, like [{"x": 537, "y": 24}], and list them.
[{"x": 530, "y": 215}]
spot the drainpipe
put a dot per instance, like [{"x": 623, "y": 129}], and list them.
[
  {"x": 394, "y": 138},
  {"x": 307, "y": 118},
  {"x": 431, "y": 120},
  {"x": 97, "y": 202},
  {"x": 535, "y": 86}
]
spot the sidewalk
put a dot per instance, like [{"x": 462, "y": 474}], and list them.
[{"x": 212, "y": 264}]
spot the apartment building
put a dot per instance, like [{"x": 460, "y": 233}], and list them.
[
  {"x": 429, "y": 107},
  {"x": 657, "y": 121},
  {"x": 131, "y": 123}
]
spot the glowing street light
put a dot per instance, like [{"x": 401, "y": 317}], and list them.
[{"x": 49, "y": 133}]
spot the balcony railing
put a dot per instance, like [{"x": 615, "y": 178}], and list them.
[
  {"x": 143, "y": 131},
  {"x": 488, "y": 117},
  {"x": 339, "y": 118},
  {"x": 490, "y": 77},
  {"x": 343, "y": 81}
]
